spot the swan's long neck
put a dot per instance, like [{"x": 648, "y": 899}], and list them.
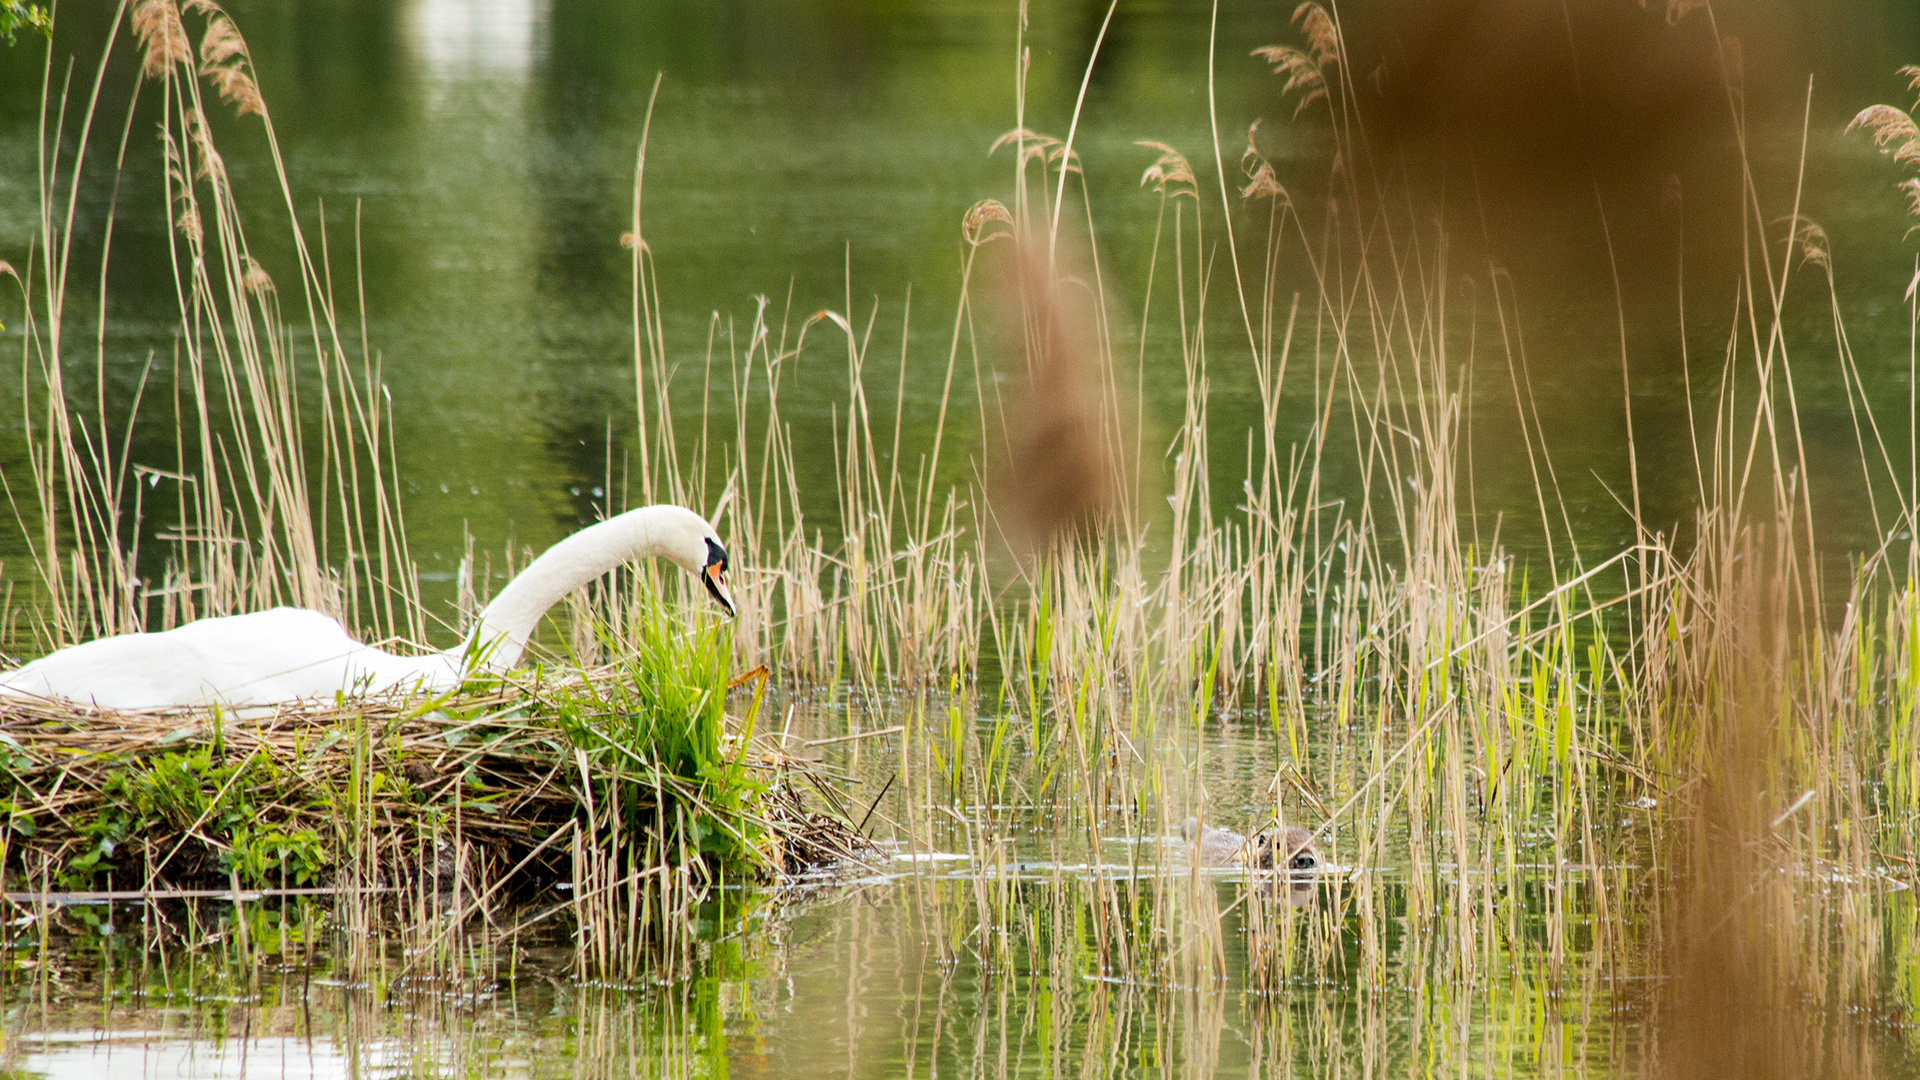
[{"x": 507, "y": 624}]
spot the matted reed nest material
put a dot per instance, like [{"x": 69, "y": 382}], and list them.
[
  {"x": 376, "y": 792},
  {"x": 804, "y": 840}
]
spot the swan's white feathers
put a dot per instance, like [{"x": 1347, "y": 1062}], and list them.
[
  {"x": 671, "y": 532},
  {"x": 291, "y": 654},
  {"x": 261, "y": 658}
]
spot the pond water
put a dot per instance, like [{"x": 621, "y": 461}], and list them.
[
  {"x": 1017, "y": 921},
  {"x": 822, "y": 154},
  {"x": 965, "y": 947}
]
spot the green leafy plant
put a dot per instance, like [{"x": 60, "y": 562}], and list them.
[
  {"x": 655, "y": 737},
  {"x": 272, "y": 855},
  {"x": 181, "y": 793},
  {"x": 15, "y": 15},
  {"x": 187, "y": 791}
]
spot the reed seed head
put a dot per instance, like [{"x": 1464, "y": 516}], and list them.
[
  {"x": 1323, "y": 37},
  {"x": 255, "y": 278},
  {"x": 1019, "y": 136},
  {"x": 977, "y": 227},
  {"x": 162, "y": 37},
  {"x": 1262, "y": 182},
  {"x": 1264, "y": 185},
  {"x": 1911, "y": 186},
  {"x": 189, "y": 223},
  {"x": 237, "y": 88},
  {"x": 1912, "y": 74},
  {"x": 220, "y": 43},
  {"x": 1814, "y": 246},
  {"x": 226, "y": 65},
  {"x": 1169, "y": 174},
  {"x": 1892, "y": 131},
  {"x": 208, "y": 165},
  {"x": 1301, "y": 72},
  {"x": 1895, "y": 133}
]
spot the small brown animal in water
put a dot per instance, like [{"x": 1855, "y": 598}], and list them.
[{"x": 1215, "y": 846}]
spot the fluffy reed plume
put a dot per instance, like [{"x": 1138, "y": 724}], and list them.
[
  {"x": 189, "y": 224},
  {"x": 1059, "y": 472},
  {"x": 1034, "y": 146},
  {"x": 1170, "y": 173},
  {"x": 1262, "y": 181},
  {"x": 256, "y": 279},
  {"x": 1301, "y": 73},
  {"x": 1815, "y": 248},
  {"x": 978, "y": 226},
  {"x": 227, "y": 66},
  {"x": 1895, "y": 133},
  {"x": 221, "y": 42},
  {"x": 1306, "y": 69},
  {"x": 1323, "y": 35},
  {"x": 224, "y": 62},
  {"x": 162, "y": 37},
  {"x": 1889, "y": 127}
]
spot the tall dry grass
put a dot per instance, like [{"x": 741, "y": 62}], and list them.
[
  {"x": 1529, "y": 775},
  {"x": 280, "y": 486}
]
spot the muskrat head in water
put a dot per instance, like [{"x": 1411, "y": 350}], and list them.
[
  {"x": 1293, "y": 852},
  {"x": 1213, "y": 846}
]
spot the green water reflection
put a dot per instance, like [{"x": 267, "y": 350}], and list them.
[
  {"x": 848, "y": 988},
  {"x": 893, "y": 970},
  {"x": 821, "y": 155},
  {"x": 973, "y": 948}
]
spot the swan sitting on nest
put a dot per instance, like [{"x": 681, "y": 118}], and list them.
[{"x": 293, "y": 654}]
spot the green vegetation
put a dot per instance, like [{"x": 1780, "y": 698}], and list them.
[
  {"x": 17, "y": 15},
  {"x": 654, "y": 738}
]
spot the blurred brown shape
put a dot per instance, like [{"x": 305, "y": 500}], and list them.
[
  {"x": 1520, "y": 119},
  {"x": 1059, "y": 476},
  {"x": 1745, "y": 991},
  {"x": 1546, "y": 95}
]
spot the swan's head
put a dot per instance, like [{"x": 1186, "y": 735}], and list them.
[
  {"x": 713, "y": 573},
  {"x": 691, "y": 544}
]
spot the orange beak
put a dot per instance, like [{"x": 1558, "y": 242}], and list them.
[{"x": 715, "y": 575}]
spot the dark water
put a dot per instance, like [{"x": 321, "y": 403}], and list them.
[{"x": 825, "y": 152}]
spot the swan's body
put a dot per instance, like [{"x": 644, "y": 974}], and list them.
[{"x": 292, "y": 654}]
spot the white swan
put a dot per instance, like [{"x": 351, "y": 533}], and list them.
[{"x": 291, "y": 654}]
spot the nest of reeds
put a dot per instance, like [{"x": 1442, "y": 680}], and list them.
[{"x": 376, "y": 793}]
